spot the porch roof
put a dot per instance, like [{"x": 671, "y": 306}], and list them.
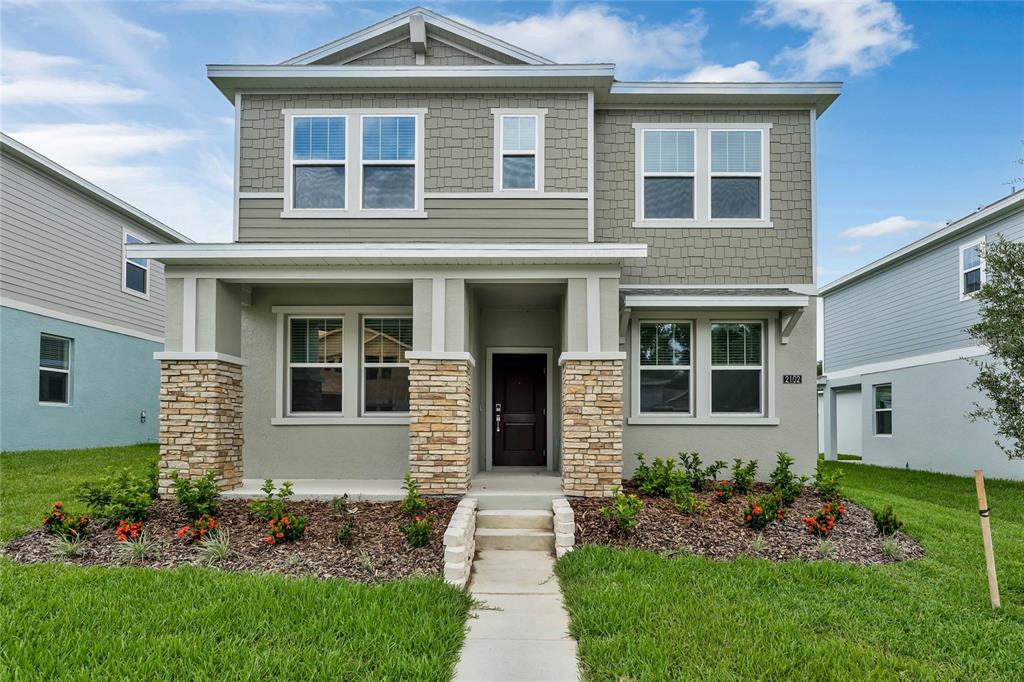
[
  {"x": 713, "y": 297},
  {"x": 386, "y": 254}
]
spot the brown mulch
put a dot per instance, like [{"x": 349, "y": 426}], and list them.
[
  {"x": 379, "y": 550},
  {"x": 718, "y": 532}
]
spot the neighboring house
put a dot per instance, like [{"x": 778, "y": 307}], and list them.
[
  {"x": 452, "y": 256},
  {"x": 79, "y": 319},
  {"x": 898, "y": 383}
]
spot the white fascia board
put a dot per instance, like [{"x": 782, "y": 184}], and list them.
[
  {"x": 800, "y": 95},
  {"x": 639, "y": 301},
  {"x": 906, "y": 362},
  {"x": 332, "y": 71},
  {"x": 1006, "y": 205}
]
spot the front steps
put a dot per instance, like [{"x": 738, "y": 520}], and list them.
[{"x": 515, "y": 530}]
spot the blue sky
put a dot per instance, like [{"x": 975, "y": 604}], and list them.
[{"x": 931, "y": 118}]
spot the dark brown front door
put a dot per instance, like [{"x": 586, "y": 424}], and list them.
[{"x": 519, "y": 407}]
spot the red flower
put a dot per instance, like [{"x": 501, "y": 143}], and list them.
[
  {"x": 182, "y": 531},
  {"x": 757, "y": 510},
  {"x": 269, "y": 540},
  {"x": 279, "y": 534},
  {"x": 58, "y": 504},
  {"x": 748, "y": 517}
]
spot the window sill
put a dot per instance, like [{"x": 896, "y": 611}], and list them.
[
  {"x": 703, "y": 421},
  {"x": 45, "y": 404},
  {"x": 340, "y": 421},
  {"x": 343, "y": 214},
  {"x": 704, "y": 224},
  {"x": 136, "y": 294}
]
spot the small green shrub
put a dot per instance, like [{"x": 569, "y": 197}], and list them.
[
  {"x": 891, "y": 549},
  {"x": 417, "y": 531},
  {"x": 64, "y": 526},
  {"x": 743, "y": 476},
  {"x": 123, "y": 495},
  {"x": 700, "y": 478},
  {"x": 760, "y": 511},
  {"x": 686, "y": 501},
  {"x": 274, "y": 505},
  {"x": 339, "y": 509},
  {"x": 757, "y": 544},
  {"x": 826, "y": 549},
  {"x": 198, "y": 497},
  {"x": 198, "y": 530},
  {"x": 886, "y": 522},
  {"x": 660, "y": 477},
  {"x": 724, "y": 490},
  {"x": 784, "y": 482},
  {"x": 69, "y": 545},
  {"x": 413, "y": 504},
  {"x": 824, "y": 521},
  {"x": 827, "y": 483},
  {"x": 285, "y": 528},
  {"x": 139, "y": 548},
  {"x": 216, "y": 546},
  {"x": 623, "y": 510}
]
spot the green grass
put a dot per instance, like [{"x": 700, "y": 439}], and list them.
[
  {"x": 640, "y": 616},
  {"x": 68, "y": 622}
]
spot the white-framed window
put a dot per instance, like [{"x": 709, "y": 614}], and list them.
[
  {"x": 972, "y": 268},
  {"x": 737, "y": 368},
  {"x": 883, "y": 409},
  {"x": 354, "y": 163},
  {"x": 702, "y": 175},
  {"x": 665, "y": 365},
  {"x": 669, "y": 166},
  {"x": 315, "y": 365},
  {"x": 134, "y": 271},
  {"x": 519, "y": 150},
  {"x": 386, "y": 340},
  {"x": 54, "y": 370}
]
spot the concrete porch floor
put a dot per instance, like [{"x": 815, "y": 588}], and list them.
[{"x": 365, "y": 490}]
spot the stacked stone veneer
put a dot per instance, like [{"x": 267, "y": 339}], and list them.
[
  {"x": 439, "y": 437},
  {"x": 565, "y": 526},
  {"x": 460, "y": 543},
  {"x": 591, "y": 427},
  {"x": 200, "y": 421}
]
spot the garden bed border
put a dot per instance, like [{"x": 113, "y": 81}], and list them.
[{"x": 460, "y": 543}]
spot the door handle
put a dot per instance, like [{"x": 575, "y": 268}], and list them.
[{"x": 497, "y": 417}]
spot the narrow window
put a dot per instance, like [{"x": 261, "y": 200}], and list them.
[
  {"x": 736, "y": 174},
  {"x": 318, "y": 161},
  {"x": 736, "y": 368},
  {"x": 389, "y": 162},
  {"x": 519, "y": 152},
  {"x": 385, "y": 369},
  {"x": 136, "y": 270},
  {"x": 972, "y": 268},
  {"x": 668, "y": 174},
  {"x": 883, "y": 410},
  {"x": 665, "y": 367},
  {"x": 54, "y": 369},
  {"x": 315, "y": 365}
]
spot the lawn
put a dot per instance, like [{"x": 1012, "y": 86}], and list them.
[
  {"x": 639, "y": 616},
  {"x": 197, "y": 623}
]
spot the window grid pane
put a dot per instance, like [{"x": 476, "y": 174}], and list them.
[
  {"x": 665, "y": 391},
  {"x": 519, "y": 133},
  {"x": 736, "y": 344},
  {"x": 665, "y": 344},
  {"x": 518, "y": 172},
  {"x": 319, "y": 187},
  {"x": 735, "y": 197},
  {"x": 389, "y": 187},
  {"x": 668, "y": 151},
  {"x": 666, "y": 198},
  {"x": 389, "y": 138},
  {"x": 386, "y": 340},
  {"x": 736, "y": 151},
  {"x": 318, "y": 138},
  {"x": 972, "y": 257},
  {"x": 54, "y": 353},
  {"x": 316, "y": 341}
]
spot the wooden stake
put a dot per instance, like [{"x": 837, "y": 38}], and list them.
[{"x": 986, "y": 536}]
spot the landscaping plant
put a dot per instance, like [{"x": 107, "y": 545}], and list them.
[
  {"x": 69, "y": 545},
  {"x": 128, "y": 530},
  {"x": 198, "y": 530},
  {"x": 139, "y": 548},
  {"x": 124, "y": 495},
  {"x": 623, "y": 510},
  {"x": 825, "y": 520},
  {"x": 743, "y": 476},
  {"x": 686, "y": 501},
  {"x": 886, "y": 522},
  {"x": 339, "y": 509},
  {"x": 784, "y": 482},
  {"x": 660, "y": 477},
  {"x": 285, "y": 528},
  {"x": 198, "y": 497},
  {"x": 760, "y": 511},
  {"x": 273, "y": 505},
  {"x": 417, "y": 531},
  {"x": 413, "y": 504},
  {"x": 826, "y": 549},
  {"x": 699, "y": 478},
  {"x": 59, "y": 523},
  {"x": 215, "y": 546},
  {"x": 826, "y": 483},
  {"x": 724, "y": 490}
]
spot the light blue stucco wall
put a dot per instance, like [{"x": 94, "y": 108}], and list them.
[{"x": 114, "y": 378}]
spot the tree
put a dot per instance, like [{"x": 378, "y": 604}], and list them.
[{"x": 1002, "y": 329}]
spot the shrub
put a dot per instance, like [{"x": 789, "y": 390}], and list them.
[
  {"x": 285, "y": 529},
  {"x": 826, "y": 483},
  {"x": 69, "y": 545},
  {"x": 413, "y": 504},
  {"x": 826, "y": 549},
  {"x": 139, "y": 547},
  {"x": 124, "y": 495},
  {"x": 273, "y": 506},
  {"x": 623, "y": 510},
  {"x": 785, "y": 483},
  {"x": 417, "y": 531},
  {"x": 660, "y": 477},
  {"x": 339, "y": 508},
  {"x": 698, "y": 477},
  {"x": 724, "y": 490},
  {"x": 199, "y": 497},
  {"x": 215, "y": 546},
  {"x": 62, "y": 525},
  {"x": 825, "y": 520},
  {"x": 891, "y": 549},
  {"x": 128, "y": 530},
  {"x": 743, "y": 476},
  {"x": 198, "y": 530},
  {"x": 686, "y": 501},
  {"x": 886, "y": 522},
  {"x": 760, "y": 511}
]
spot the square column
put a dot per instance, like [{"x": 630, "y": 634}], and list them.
[
  {"x": 439, "y": 425},
  {"x": 591, "y": 426}
]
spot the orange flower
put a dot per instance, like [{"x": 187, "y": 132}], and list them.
[
  {"x": 757, "y": 510},
  {"x": 269, "y": 540},
  {"x": 182, "y": 531}
]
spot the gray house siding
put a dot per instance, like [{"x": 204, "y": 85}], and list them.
[
  {"x": 781, "y": 254},
  {"x": 401, "y": 54},
  {"x": 61, "y": 251},
  {"x": 910, "y": 308}
]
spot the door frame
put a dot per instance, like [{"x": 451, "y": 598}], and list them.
[{"x": 489, "y": 396}]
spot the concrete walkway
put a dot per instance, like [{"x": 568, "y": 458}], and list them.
[{"x": 520, "y": 631}]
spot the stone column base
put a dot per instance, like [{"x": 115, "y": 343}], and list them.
[
  {"x": 439, "y": 435},
  {"x": 200, "y": 422},
  {"x": 591, "y": 427}
]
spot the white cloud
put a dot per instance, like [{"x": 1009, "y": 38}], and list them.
[
  {"x": 29, "y": 78},
  {"x": 248, "y": 6},
  {"x": 598, "y": 33},
  {"x": 78, "y": 145},
  {"x": 850, "y": 248},
  {"x": 893, "y": 225},
  {"x": 858, "y": 36},
  {"x": 28, "y": 62},
  {"x": 749, "y": 71}
]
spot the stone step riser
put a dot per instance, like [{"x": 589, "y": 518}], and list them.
[
  {"x": 515, "y": 539},
  {"x": 527, "y": 519}
]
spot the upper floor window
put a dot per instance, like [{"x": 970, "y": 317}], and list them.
[
  {"x": 318, "y": 161},
  {"x": 54, "y": 369},
  {"x": 134, "y": 271},
  {"x": 736, "y": 174},
  {"x": 519, "y": 150},
  {"x": 668, "y": 174},
  {"x": 389, "y": 162},
  {"x": 972, "y": 268}
]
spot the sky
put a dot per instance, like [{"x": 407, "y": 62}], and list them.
[{"x": 928, "y": 127}]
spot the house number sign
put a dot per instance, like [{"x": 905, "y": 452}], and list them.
[{"x": 792, "y": 378}]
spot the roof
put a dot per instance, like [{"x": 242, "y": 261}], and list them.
[
  {"x": 51, "y": 168},
  {"x": 718, "y": 297},
  {"x": 994, "y": 211}
]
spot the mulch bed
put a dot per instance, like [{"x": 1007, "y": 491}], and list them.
[
  {"x": 719, "y": 533},
  {"x": 379, "y": 550}
]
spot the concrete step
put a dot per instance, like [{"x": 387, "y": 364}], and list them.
[
  {"x": 536, "y": 519},
  {"x": 515, "y": 539},
  {"x": 514, "y": 500}
]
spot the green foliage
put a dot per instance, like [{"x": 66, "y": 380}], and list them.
[
  {"x": 216, "y": 546},
  {"x": 760, "y": 511},
  {"x": 69, "y": 545},
  {"x": 826, "y": 549},
  {"x": 723, "y": 490},
  {"x": 141, "y": 547},
  {"x": 827, "y": 482},
  {"x": 700, "y": 478},
  {"x": 199, "y": 497},
  {"x": 686, "y": 501},
  {"x": 413, "y": 504},
  {"x": 785, "y": 484},
  {"x": 623, "y": 510},
  {"x": 199, "y": 529},
  {"x": 417, "y": 531},
  {"x": 1001, "y": 329},
  {"x": 824, "y": 521},
  {"x": 886, "y": 522},
  {"x": 286, "y": 528},
  {"x": 125, "y": 495},
  {"x": 743, "y": 476},
  {"x": 64, "y": 525},
  {"x": 339, "y": 509},
  {"x": 662, "y": 477},
  {"x": 274, "y": 504}
]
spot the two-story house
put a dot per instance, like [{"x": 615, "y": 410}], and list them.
[
  {"x": 79, "y": 318},
  {"x": 453, "y": 256},
  {"x": 898, "y": 380}
]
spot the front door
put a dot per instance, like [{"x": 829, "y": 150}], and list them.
[{"x": 519, "y": 409}]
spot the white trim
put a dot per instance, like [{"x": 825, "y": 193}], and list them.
[
  {"x": 588, "y": 355},
  {"x": 125, "y": 233},
  {"x": 761, "y": 367},
  {"x": 201, "y": 355},
  {"x": 539, "y": 141},
  {"x": 67, "y": 387},
  {"x": 261, "y": 195},
  {"x": 188, "y": 314},
  {"x": 763, "y": 176},
  {"x": 336, "y": 310},
  {"x": 875, "y": 409},
  {"x": 590, "y": 166},
  {"x": 548, "y": 411},
  {"x": 635, "y": 371},
  {"x": 814, "y": 194},
  {"x": 237, "y": 180},
  {"x": 340, "y": 421},
  {"x": 438, "y": 299},
  {"x": 346, "y": 380},
  {"x": 717, "y": 420},
  {"x": 76, "y": 319},
  {"x": 795, "y": 301},
  {"x": 980, "y": 241},
  {"x": 593, "y": 314},
  {"x": 462, "y": 48},
  {"x": 505, "y": 194},
  {"x": 809, "y": 289},
  {"x": 453, "y": 355},
  {"x": 911, "y": 361}
]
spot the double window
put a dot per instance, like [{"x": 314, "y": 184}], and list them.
[
  {"x": 668, "y": 174},
  {"x": 54, "y": 370},
  {"x": 736, "y": 173},
  {"x": 972, "y": 268},
  {"x": 318, "y": 161},
  {"x": 883, "y": 410},
  {"x": 386, "y": 340},
  {"x": 665, "y": 367},
  {"x": 134, "y": 271},
  {"x": 518, "y": 150},
  {"x": 315, "y": 365}
]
